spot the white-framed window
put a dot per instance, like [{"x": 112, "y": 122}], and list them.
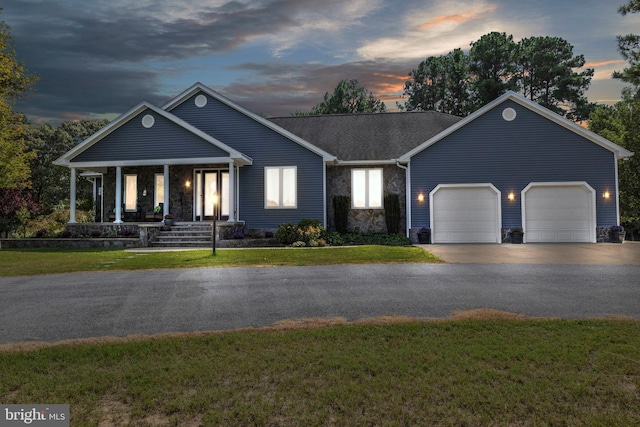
[
  {"x": 280, "y": 186},
  {"x": 158, "y": 189},
  {"x": 366, "y": 188},
  {"x": 131, "y": 193}
]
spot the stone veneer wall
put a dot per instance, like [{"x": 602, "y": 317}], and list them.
[
  {"x": 180, "y": 197},
  {"x": 365, "y": 220}
]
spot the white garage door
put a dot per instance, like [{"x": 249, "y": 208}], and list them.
[
  {"x": 465, "y": 213},
  {"x": 562, "y": 212}
]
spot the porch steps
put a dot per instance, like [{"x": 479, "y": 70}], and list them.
[{"x": 184, "y": 236}]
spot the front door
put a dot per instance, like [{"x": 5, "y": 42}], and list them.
[{"x": 211, "y": 185}]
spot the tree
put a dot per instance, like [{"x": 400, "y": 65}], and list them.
[
  {"x": 621, "y": 125},
  {"x": 629, "y": 48},
  {"x": 14, "y": 82},
  {"x": 14, "y": 204},
  {"x": 440, "y": 84},
  {"x": 492, "y": 66},
  {"x": 541, "y": 68},
  {"x": 545, "y": 74},
  {"x": 50, "y": 183},
  {"x": 348, "y": 97}
]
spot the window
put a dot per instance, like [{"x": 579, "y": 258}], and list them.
[
  {"x": 158, "y": 194},
  {"x": 280, "y": 187},
  {"x": 366, "y": 188},
  {"x": 131, "y": 193}
]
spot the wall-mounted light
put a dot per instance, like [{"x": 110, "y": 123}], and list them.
[
  {"x": 421, "y": 197},
  {"x": 606, "y": 195},
  {"x": 144, "y": 193},
  {"x": 511, "y": 196},
  {"x": 187, "y": 183}
]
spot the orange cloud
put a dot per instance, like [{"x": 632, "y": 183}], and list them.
[
  {"x": 603, "y": 63},
  {"x": 458, "y": 18}
]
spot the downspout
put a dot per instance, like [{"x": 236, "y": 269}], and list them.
[{"x": 407, "y": 196}]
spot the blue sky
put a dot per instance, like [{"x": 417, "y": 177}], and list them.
[{"x": 100, "y": 58}]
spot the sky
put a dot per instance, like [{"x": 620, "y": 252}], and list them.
[{"x": 99, "y": 58}]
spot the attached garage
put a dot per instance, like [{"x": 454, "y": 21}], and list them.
[
  {"x": 465, "y": 213},
  {"x": 559, "y": 212}
]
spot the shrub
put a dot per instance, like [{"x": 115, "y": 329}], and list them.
[
  {"x": 376, "y": 239},
  {"x": 127, "y": 232},
  {"x": 238, "y": 234},
  {"x": 333, "y": 238},
  {"x": 41, "y": 233},
  {"x": 299, "y": 244},
  {"x": 392, "y": 213},
  {"x": 341, "y": 206},
  {"x": 95, "y": 233},
  {"x": 287, "y": 233},
  {"x": 268, "y": 234},
  {"x": 305, "y": 223}
]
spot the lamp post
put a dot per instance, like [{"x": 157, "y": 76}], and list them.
[{"x": 213, "y": 229}]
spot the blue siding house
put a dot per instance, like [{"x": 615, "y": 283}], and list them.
[{"x": 510, "y": 164}]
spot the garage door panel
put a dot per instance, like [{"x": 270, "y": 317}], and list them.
[
  {"x": 465, "y": 214},
  {"x": 559, "y": 213}
]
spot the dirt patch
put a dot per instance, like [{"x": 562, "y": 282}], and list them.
[{"x": 293, "y": 324}]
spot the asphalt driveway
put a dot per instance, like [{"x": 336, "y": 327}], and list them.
[
  {"x": 627, "y": 253},
  {"x": 80, "y": 305}
]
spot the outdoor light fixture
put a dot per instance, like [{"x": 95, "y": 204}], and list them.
[
  {"x": 511, "y": 196},
  {"x": 144, "y": 193},
  {"x": 421, "y": 197},
  {"x": 606, "y": 195},
  {"x": 187, "y": 183}
]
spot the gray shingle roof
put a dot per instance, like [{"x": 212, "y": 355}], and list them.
[{"x": 368, "y": 137}]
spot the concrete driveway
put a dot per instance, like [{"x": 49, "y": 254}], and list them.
[{"x": 627, "y": 253}]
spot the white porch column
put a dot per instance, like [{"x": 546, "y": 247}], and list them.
[
  {"x": 118, "y": 219},
  {"x": 232, "y": 192},
  {"x": 72, "y": 197},
  {"x": 166, "y": 190}
]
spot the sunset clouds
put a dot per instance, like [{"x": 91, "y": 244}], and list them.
[{"x": 274, "y": 56}]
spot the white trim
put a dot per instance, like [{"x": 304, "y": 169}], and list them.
[
  {"x": 72, "y": 197},
  {"x": 179, "y": 99},
  {"x": 366, "y": 162},
  {"x": 118, "y": 207},
  {"x": 158, "y": 162},
  {"x": 232, "y": 193},
  {"x": 533, "y": 106},
  {"x": 324, "y": 196},
  {"x": 593, "y": 213},
  {"x": 281, "y": 187},
  {"x": 475, "y": 185},
  {"x": 67, "y": 158},
  {"x": 166, "y": 191},
  {"x": 615, "y": 163}
]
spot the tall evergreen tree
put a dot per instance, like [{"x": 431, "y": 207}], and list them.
[
  {"x": 492, "y": 66},
  {"x": 629, "y": 47}
]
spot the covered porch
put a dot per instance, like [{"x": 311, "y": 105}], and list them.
[{"x": 185, "y": 192}]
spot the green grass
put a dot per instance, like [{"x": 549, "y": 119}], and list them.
[
  {"x": 452, "y": 373},
  {"x": 48, "y": 261}
]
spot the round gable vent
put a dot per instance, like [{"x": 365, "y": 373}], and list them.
[
  {"x": 201, "y": 101},
  {"x": 509, "y": 114},
  {"x": 148, "y": 121}
]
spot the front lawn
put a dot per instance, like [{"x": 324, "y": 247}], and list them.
[
  {"x": 447, "y": 373},
  {"x": 48, "y": 261}
]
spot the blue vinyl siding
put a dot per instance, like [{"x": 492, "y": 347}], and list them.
[
  {"x": 164, "y": 140},
  {"x": 267, "y": 148},
  {"x": 510, "y": 155}
]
